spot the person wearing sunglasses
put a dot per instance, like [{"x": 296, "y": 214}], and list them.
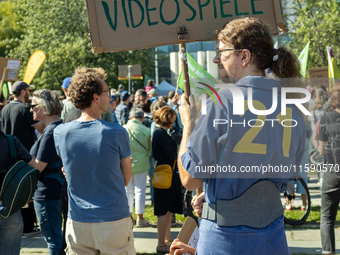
[{"x": 46, "y": 108}]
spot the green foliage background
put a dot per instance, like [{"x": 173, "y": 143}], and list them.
[
  {"x": 317, "y": 21},
  {"x": 59, "y": 28}
]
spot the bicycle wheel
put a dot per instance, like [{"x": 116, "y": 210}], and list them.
[{"x": 297, "y": 203}]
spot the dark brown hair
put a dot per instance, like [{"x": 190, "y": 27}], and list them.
[
  {"x": 84, "y": 84},
  {"x": 252, "y": 34},
  {"x": 150, "y": 83},
  {"x": 163, "y": 116}
]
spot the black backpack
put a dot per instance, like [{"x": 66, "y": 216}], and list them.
[{"x": 18, "y": 185}]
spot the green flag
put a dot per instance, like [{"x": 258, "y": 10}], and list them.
[
  {"x": 5, "y": 90},
  {"x": 200, "y": 80},
  {"x": 146, "y": 78},
  {"x": 303, "y": 59}
]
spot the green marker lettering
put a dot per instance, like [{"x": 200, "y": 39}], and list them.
[
  {"x": 223, "y": 15},
  {"x": 148, "y": 15},
  {"x": 236, "y": 10},
  {"x": 131, "y": 14},
  {"x": 253, "y": 7},
  {"x": 107, "y": 14},
  {"x": 162, "y": 17},
  {"x": 200, "y": 6},
  {"x": 192, "y": 9},
  {"x": 125, "y": 14},
  {"x": 215, "y": 10}
]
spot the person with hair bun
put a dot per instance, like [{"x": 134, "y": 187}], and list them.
[
  {"x": 329, "y": 145},
  {"x": 167, "y": 201},
  {"x": 46, "y": 108},
  {"x": 243, "y": 212}
]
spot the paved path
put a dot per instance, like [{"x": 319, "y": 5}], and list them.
[{"x": 305, "y": 240}]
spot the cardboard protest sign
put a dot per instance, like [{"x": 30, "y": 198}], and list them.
[
  {"x": 119, "y": 25},
  {"x": 319, "y": 76},
  {"x": 189, "y": 233},
  {"x": 9, "y": 69}
]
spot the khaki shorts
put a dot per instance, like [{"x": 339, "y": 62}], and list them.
[{"x": 104, "y": 238}]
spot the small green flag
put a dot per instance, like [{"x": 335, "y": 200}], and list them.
[
  {"x": 146, "y": 78},
  {"x": 5, "y": 90},
  {"x": 303, "y": 59},
  {"x": 197, "y": 76}
]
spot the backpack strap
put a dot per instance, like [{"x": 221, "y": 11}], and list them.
[{"x": 12, "y": 148}]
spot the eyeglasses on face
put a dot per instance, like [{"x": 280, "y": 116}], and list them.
[
  {"x": 219, "y": 51},
  {"x": 108, "y": 92}
]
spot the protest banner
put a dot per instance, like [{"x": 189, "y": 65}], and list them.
[
  {"x": 119, "y": 25},
  {"x": 189, "y": 233},
  {"x": 9, "y": 71},
  {"x": 318, "y": 76}
]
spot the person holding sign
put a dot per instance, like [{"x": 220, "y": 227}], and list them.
[{"x": 243, "y": 213}]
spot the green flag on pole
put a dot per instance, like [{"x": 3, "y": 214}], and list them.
[
  {"x": 333, "y": 71},
  {"x": 303, "y": 59},
  {"x": 200, "y": 80}
]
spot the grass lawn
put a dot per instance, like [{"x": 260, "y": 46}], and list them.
[
  {"x": 148, "y": 215},
  {"x": 314, "y": 216}
]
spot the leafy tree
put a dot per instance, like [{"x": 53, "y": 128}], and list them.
[
  {"x": 59, "y": 28},
  {"x": 316, "y": 21},
  {"x": 10, "y": 32}
]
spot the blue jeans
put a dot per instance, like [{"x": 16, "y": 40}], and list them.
[
  {"x": 10, "y": 234},
  {"x": 151, "y": 171},
  {"x": 50, "y": 221}
]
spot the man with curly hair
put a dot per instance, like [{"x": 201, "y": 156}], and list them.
[{"x": 96, "y": 158}]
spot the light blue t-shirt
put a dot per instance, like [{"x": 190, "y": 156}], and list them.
[
  {"x": 239, "y": 147},
  {"x": 91, "y": 153}
]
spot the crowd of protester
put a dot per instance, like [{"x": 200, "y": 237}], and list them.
[
  {"x": 33, "y": 119},
  {"x": 152, "y": 128}
]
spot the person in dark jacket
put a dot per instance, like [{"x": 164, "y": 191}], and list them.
[
  {"x": 11, "y": 228},
  {"x": 167, "y": 201}
]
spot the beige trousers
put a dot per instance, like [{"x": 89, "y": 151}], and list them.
[{"x": 104, "y": 238}]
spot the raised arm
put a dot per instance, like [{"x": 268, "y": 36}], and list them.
[{"x": 186, "y": 111}]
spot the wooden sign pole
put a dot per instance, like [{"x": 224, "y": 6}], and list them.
[
  {"x": 185, "y": 73},
  {"x": 182, "y": 37}
]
